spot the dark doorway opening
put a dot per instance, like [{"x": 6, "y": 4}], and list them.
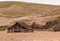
[
  {"x": 16, "y": 28},
  {"x": 19, "y": 28}
]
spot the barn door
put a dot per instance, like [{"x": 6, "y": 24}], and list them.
[{"x": 17, "y": 28}]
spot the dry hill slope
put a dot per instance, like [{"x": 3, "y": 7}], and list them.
[
  {"x": 20, "y": 9},
  {"x": 30, "y": 12}
]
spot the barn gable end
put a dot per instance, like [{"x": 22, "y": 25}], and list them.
[{"x": 17, "y": 27}]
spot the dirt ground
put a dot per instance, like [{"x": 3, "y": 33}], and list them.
[{"x": 31, "y": 36}]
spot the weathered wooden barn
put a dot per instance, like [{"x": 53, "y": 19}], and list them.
[
  {"x": 16, "y": 27},
  {"x": 20, "y": 27}
]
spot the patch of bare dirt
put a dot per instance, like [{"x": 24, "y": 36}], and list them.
[{"x": 31, "y": 36}]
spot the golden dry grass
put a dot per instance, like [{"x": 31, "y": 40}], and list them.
[{"x": 19, "y": 9}]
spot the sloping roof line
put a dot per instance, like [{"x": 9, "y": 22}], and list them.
[{"x": 19, "y": 22}]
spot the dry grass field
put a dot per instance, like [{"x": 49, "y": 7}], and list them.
[
  {"x": 31, "y": 36},
  {"x": 39, "y": 13},
  {"x": 20, "y": 9}
]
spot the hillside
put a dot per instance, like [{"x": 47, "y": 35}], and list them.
[
  {"x": 28, "y": 13},
  {"x": 40, "y": 16},
  {"x": 20, "y": 9}
]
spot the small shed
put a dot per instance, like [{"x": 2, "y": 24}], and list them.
[{"x": 20, "y": 27}]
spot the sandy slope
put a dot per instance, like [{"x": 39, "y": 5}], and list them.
[{"x": 31, "y": 36}]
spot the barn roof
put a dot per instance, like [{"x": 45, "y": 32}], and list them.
[{"x": 10, "y": 22}]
